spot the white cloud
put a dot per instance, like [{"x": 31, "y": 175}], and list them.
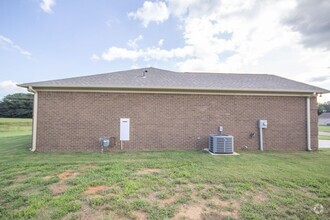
[
  {"x": 199, "y": 8},
  {"x": 46, "y": 5},
  {"x": 8, "y": 43},
  {"x": 114, "y": 53},
  {"x": 6, "y": 40},
  {"x": 9, "y": 86},
  {"x": 150, "y": 53},
  {"x": 161, "y": 42},
  {"x": 135, "y": 66},
  {"x": 151, "y": 12},
  {"x": 255, "y": 32},
  {"x": 133, "y": 43},
  {"x": 236, "y": 36}
]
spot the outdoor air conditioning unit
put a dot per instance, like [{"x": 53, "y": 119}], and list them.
[{"x": 221, "y": 144}]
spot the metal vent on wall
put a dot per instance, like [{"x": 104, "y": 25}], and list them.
[{"x": 221, "y": 144}]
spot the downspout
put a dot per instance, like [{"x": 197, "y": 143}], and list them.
[
  {"x": 308, "y": 119},
  {"x": 35, "y": 116}
]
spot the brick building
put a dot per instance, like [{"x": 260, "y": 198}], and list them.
[{"x": 172, "y": 110}]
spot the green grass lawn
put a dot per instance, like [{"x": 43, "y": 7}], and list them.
[
  {"x": 161, "y": 184},
  {"x": 324, "y": 137},
  {"x": 324, "y": 129},
  {"x": 15, "y": 126}
]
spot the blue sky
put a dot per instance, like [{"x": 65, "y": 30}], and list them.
[{"x": 51, "y": 39}]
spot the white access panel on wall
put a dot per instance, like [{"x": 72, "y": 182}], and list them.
[{"x": 124, "y": 129}]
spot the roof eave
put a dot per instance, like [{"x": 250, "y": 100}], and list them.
[{"x": 36, "y": 87}]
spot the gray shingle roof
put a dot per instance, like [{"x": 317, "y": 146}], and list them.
[{"x": 164, "y": 79}]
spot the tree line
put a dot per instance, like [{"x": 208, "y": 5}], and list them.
[
  {"x": 20, "y": 105},
  {"x": 323, "y": 107}
]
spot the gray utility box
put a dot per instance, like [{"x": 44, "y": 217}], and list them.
[
  {"x": 221, "y": 143},
  {"x": 104, "y": 141},
  {"x": 263, "y": 123}
]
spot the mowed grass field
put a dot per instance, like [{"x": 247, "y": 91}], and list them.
[
  {"x": 159, "y": 184},
  {"x": 10, "y": 127},
  {"x": 324, "y": 129}
]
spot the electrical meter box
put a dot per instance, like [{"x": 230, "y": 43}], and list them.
[
  {"x": 124, "y": 129},
  {"x": 104, "y": 141},
  {"x": 262, "y": 123}
]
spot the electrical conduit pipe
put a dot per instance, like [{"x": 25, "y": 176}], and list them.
[{"x": 308, "y": 124}]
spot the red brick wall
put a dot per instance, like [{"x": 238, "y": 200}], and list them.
[{"x": 74, "y": 121}]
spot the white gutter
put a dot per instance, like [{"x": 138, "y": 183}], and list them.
[
  {"x": 145, "y": 88},
  {"x": 308, "y": 119},
  {"x": 35, "y": 117},
  {"x": 172, "y": 92}
]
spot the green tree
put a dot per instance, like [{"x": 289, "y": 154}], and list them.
[
  {"x": 18, "y": 105},
  {"x": 323, "y": 107}
]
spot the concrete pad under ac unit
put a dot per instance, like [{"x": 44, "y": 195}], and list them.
[{"x": 233, "y": 154}]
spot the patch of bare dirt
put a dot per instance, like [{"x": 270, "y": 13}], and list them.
[
  {"x": 67, "y": 174},
  {"x": 193, "y": 212},
  {"x": 58, "y": 188},
  {"x": 207, "y": 209},
  {"x": 88, "y": 166},
  {"x": 21, "y": 178},
  {"x": 213, "y": 216},
  {"x": 306, "y": 192},
  {"x": 171, "y": 199},
  {"x": 48, "y": 177},
  {"x": 138, "y": 215},
  {"x": 220, "y": 215},
  {"x": 61, "y": 186},
  {"x": 233, "y": 205},
  {"x": 94, "y": 189},
  {"x": 152, "y": 197},
  {"x": 260, "y": 197},
  {"x": 201, "y": 211},
  {"x": 182, "y": 186},
  {"x": 88, "y": 213},
  {"x": 148, "y": 170}
]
